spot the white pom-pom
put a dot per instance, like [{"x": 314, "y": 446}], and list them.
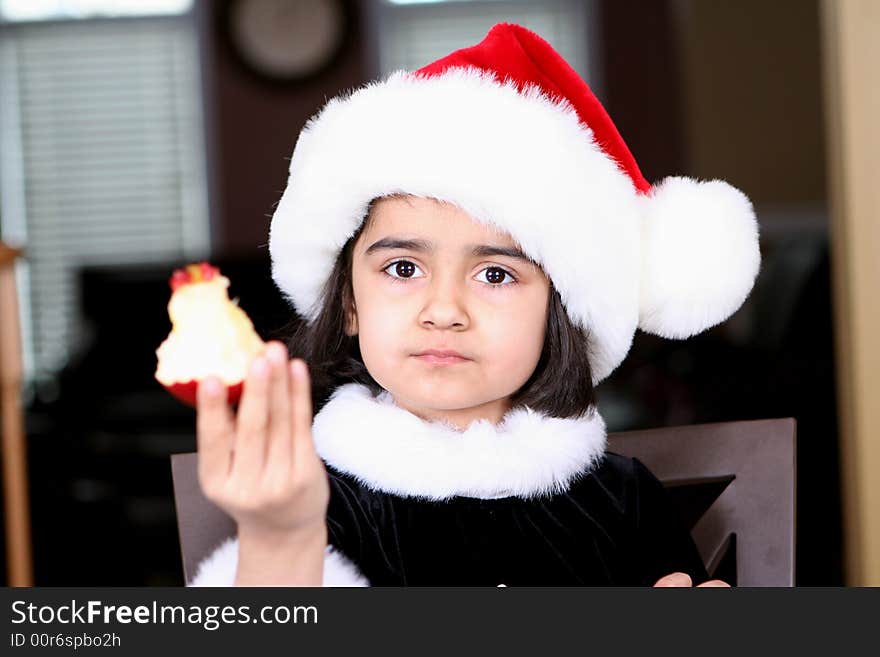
[{"x": 700, "y": 256}]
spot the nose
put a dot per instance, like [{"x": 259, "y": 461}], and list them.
[{"x": 444, "y": 306}]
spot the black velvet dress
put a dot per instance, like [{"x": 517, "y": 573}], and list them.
[{"x": 614, "y": 526}]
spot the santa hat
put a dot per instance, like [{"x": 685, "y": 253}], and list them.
[{"x": 508, "y": 131}]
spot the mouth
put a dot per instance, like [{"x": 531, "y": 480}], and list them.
[{"x": 440, "y": 357}]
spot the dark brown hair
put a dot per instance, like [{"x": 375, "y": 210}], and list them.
[{"x": 561, "y": 385}]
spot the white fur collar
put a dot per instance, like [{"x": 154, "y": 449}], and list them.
[{"x": 392, "y": 450}]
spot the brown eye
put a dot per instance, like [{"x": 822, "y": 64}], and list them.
[
  {"x": 496, "y": 276},
  {"x": 401, "y": 269}
]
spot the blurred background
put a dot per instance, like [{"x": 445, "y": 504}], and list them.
[{"x": 137, "y": 136}]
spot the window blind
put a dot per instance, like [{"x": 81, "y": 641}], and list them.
[{"x": 105, "y": 161}]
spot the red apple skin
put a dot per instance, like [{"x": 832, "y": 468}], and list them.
[{"x": 186, "y": 392}]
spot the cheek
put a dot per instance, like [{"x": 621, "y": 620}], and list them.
[
  {"x": 381, "y": 323},
  {"x": 516, "y": 333},
  {"x": 513, "y": 343},
  {"x": 519, "y": 341}
]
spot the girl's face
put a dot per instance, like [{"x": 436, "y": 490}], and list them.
[{"x": 425, "y": 276}]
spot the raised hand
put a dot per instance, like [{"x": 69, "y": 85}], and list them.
[{"x": 261, "y": 466}]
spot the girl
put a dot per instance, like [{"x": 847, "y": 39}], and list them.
[{"x": 472, "y": 247}]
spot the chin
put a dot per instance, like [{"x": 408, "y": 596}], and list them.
[{"x": 438, "y": 398}]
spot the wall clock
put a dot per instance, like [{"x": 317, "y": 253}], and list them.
[{"x": 287, "y": 40}]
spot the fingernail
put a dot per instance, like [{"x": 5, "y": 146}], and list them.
[
  {"x": 258, "y": 367},
  {"x": 298, "y": 368},
  {"x": 212, "y": 387},
  {"x": 277, "y": 353}
]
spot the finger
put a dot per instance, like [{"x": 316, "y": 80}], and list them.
[
  {"x": 715, "y": 583},
  {"x": 278, "y": 454},
  {"x": 302, "y": 410},
  {"x": 252, "y": 423},
  {"x": 214, "y": 432},
  {"x": 674, "y": 579}
]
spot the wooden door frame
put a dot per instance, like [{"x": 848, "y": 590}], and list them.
[{"x": 851, "y": 50}]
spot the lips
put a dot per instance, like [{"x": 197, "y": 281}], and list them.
[
  {"x": 440, "y": 353},
  {"x": 441, "y": 356}
]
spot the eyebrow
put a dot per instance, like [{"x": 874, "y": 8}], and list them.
[{"x": 477, "y": 250}]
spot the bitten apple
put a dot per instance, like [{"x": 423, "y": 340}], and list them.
[{"x": 210, "y": 335}]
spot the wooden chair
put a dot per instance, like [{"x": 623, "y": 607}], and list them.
[
  {"x": 16, "y": 506},
  {"x": 733, "y": 483}
]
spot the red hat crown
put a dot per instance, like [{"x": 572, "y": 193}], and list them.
[{"x": 513, "y": 53}]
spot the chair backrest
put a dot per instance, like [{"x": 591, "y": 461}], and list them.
[
  {"x": 733, "y": 482},
  {"x": 202, "y": 525}
]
